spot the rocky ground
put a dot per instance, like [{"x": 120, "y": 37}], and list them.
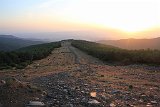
[{"x": 71, "y": 78}]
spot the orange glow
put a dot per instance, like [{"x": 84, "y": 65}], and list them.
[
  {"x": 93, "y": 94},
  {"x": 117, "y": 18}
]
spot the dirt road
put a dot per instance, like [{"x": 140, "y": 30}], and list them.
[{"x": 71, "y": 78}]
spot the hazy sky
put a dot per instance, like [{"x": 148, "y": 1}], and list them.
[{"x": 78, "y": 15}]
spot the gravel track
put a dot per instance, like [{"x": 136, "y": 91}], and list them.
[{"x": 71, "y": 78}]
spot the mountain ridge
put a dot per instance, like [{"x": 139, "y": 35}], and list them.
[
  {"x": 10, "y": 42},
  {"x": 133, "y": 43}
]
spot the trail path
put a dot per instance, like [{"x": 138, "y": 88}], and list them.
[{"x": 72, "y": 78}]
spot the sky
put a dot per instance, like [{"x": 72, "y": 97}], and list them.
[{"x": 130, "y": 17}]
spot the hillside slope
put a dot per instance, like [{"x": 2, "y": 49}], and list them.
[
  {"x": 9, "y": 42},
  {"x": 20, "y": 58},
  {"x": 113, "y": 54},
  {"x": 69, "y": 77},
  {"x": 134, "y": 43}
]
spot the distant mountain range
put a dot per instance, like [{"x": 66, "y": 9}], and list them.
[
  {"x": 134, "y": 43},
  {"x": 10, "y": 42}
]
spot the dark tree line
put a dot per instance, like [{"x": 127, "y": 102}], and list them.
[
  {"x": 118, "y": 55},
  {"x": 22, "y": 57}
]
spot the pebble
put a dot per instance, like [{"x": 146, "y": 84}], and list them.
[
  {"x": 71, "y": 105},
  {"x": 115, "y": 92},
  {"x": 35, "y": 103},
  {"x": 93, "y": 101},
  {"x": 154, "y": 102},
  {"x": 84, "y": 100},
  {"x": 44, "y": 93},
  {"x": 149, "y": 105},
  {"x": 3, "y": 82},
  {"x": 65, "y": 90},
  {"x": 112, "y": 105},
  {"x": 93, "y": 94},
  {"x": 141, "y": 101},
  {"x": 36, "y": 98}
]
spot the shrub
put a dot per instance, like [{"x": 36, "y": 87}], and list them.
[
  {"x": 24, "y": 56},
  {"x": 114, "y": 54}
]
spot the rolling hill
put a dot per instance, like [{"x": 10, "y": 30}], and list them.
[
  {"x": 120, "y": 56},
  {"x": 20, "y": 58},
  {"x": 9, "y": 42},
  {"x": 134, "y": 43}
]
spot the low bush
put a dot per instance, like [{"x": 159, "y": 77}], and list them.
[
  {"x": 114, "y": 54},
  {"x": 22, "y": 57}
]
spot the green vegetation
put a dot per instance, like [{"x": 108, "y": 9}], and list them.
[
  {"x": 118, "y": 55},
  {"x": 24, "y": 56}
]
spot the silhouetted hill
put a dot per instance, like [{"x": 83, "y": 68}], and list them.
[
  {"x": 9, "y": 42},
  {"x": 134, "y": 43}
]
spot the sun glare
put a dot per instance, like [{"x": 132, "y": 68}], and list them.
[
  {"x": 129, "y": 16},
  {"x": 61, "y": 15}
]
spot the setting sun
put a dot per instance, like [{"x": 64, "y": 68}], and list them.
[
  {"x": 133, "y": 15},
  {"x": 128, "y": 16},
  {"x": 79, "y": 53}
]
